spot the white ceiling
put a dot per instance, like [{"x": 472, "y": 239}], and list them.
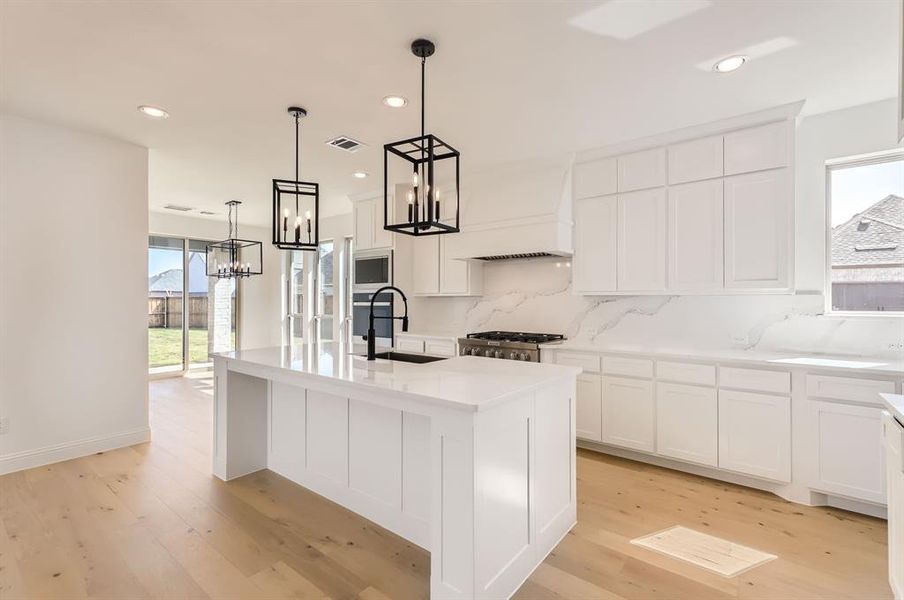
[{"x": 510, "y": 80}]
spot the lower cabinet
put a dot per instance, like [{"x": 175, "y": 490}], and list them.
[
  {"x": 588, "y": 408},
  {"x": 850, "y": 459},
  {"x": 629, "y": 413},
  {"x": 687, "y": 426},
  {"x": 894, "y": 464},
  {"x": 755, "y": 434}
]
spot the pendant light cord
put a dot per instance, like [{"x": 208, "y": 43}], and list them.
[{"x": 423, "y": 105}]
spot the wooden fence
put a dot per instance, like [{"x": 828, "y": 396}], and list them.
[{"x": 167, "y": 312}]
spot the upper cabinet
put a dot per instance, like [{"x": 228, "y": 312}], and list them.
[
  {"x": 710, "y": 215},
  {"x": 695, "y": 160},
  {"x": 757, "y": 230},
  {"x": 595, "y": 178},
  {"x": 369, "y": 232},
  {"x": 641, "y": 170},
  {"x": 641, "y": 240},
  {"x": 758, "y": 148},
  {"x": 435, "y": 273}
]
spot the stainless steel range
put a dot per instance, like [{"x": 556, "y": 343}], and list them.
[{"x": 506, "y": 344}]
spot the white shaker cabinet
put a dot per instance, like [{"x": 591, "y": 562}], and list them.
[
  {"x": 641, "y": 170},
  {"x": 435, "y": 273},
  {"x": 850, "y": 459},
  {"x": 755, "y": 434},
  {"x": 641, "y": 238},
  {"x": 629, "y": 412},
  {"x": 695, "y": 236},
  {"x": 695, "y": 160},
  {"x": 687, "y": 423},
  {"x": 758, "y": 208},
  {"x": 368, "y": 222},
  {"x": 595, "y": 234},
  {"x": 588, "y": 408},
  {"x": 595, "y": 178},
  {"x": 893, "y": 436},
  {"x": 758, "y": 148}
]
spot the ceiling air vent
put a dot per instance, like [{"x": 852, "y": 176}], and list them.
[
  {"x": 343, "y": 142},
  {"x": 208, "y": 212},
  {"x": 177, "y": 207},
  {"x": 511, "y": 256}
]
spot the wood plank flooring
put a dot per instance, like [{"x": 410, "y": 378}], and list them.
[{"x": 151, "y": 522}]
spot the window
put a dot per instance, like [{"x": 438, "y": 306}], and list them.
[
  {"x": 295, "y": 285},
  {"x": 179, "y": 339},
  {"x": 326, "y": 307},
  {"x": 866, "y": 237}
]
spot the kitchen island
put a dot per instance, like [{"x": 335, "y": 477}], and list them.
[{"x": 470, "y": 458}]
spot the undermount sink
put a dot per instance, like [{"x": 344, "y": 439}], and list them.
[{"x": 402, "y": 357}]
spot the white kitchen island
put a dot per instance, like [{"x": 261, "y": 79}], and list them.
[{"x": 470, "y": 458}]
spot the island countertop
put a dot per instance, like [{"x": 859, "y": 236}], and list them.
[
  {"x": 895, "y": 405},
  {"x": 464, "y": 382}
]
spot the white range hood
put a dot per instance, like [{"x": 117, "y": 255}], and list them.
[{"x": 516, "y": 211}]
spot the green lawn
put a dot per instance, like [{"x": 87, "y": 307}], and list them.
[{"x": 165, "y": 346}]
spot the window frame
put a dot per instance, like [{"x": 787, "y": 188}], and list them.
[{"x": 848, "y": 162}]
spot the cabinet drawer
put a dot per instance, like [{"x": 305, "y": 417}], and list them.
[
  {"x": 686, "y": 373},
  {"x": 630, "y": 367},
  {"x": 776, "y": 382},
  {"x": 409, "y": 345},
  {"x": 848, "y": 388},
  {"x": 439, "y": 347},
  {"x": 588, "y": 362}
]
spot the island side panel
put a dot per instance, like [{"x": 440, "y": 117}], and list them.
[{"x": 240, "y": 422}]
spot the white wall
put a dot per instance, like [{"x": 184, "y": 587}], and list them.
[
  {"x": 535, "y": 295},
  {"x": 260, "y": 302},
  {"x": 73, "y": 293}
]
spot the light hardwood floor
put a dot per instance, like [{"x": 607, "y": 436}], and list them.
[{"x": 151, "y": 522}]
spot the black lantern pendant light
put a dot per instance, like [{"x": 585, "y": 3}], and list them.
[
  {"x": 296, "y": 206},
  {"x": 420, "y": 176},
  {"x": 234, "y": 257}
]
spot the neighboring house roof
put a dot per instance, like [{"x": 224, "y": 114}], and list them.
[
  {"x": 170, "y": 281},
  {"x": 872, "y": 237}
]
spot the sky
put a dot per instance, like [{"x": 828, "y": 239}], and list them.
[{"x": 855, "y": 189}]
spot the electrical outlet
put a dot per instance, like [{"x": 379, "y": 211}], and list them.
[
  {"x": 739, "y": 338},
  {"x": 4, "y": 425},
  {"x": 896, "y": 346}
]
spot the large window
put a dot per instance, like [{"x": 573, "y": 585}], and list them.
[
  {"x": 326, "y": 293},
  {"x": 866, "y": 239},
  {"x": 190, "y": 315},
  {"x": 295, "y": 286}
]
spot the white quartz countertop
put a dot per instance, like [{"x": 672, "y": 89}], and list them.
[
  {"x": 463, "y": 382},
  {"x": 849, "y": 364},
  {"x": 895, "y": 405}
]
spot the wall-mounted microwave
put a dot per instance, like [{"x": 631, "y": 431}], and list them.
[{"x": 372, "y": 270}]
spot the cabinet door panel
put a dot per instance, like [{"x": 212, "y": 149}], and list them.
[
  {"x": 595, "y": 231},
  {"x": 629, "y": 413},
  {"x": 454, "y": 274},
  {"x": 850, "y": 459},
  {"x": 425, "y": 265},
  {"x": 588, "y": 408},
  {"x": 757, "y": 230},
  {"x": 695, "y": 160},
  {"x": 641, "y": 170},
  {"x": 596, "y": 178},
  {"x": 382, "y": 238},
  {"x": 641, "y": 241},
  {"x": 364, "y": 219},
  {"x": 695, "y": 236},
  {"x": 757, "y": 148},
  {"x": 687, "y": 423},
  {"x": 755, "y": 434}
]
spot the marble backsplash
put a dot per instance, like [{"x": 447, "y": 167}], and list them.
[{"x": 535, "y": 295}]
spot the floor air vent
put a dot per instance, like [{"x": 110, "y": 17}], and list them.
[
  {"x": 343, "y": 142},
  {"x": 511, "y": 256}
]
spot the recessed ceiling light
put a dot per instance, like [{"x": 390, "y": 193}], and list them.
[
  {"x": 359, "y": 174},
  {"x": 729, "y": 64},
  {"x": 395, "y": 101},
  {"x": 155, "y": 112}
]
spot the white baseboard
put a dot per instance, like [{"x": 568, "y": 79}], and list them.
[{"x": 28, "y": 459}]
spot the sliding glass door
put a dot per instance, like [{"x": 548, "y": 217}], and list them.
[{"x": 190, "y": 315}]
